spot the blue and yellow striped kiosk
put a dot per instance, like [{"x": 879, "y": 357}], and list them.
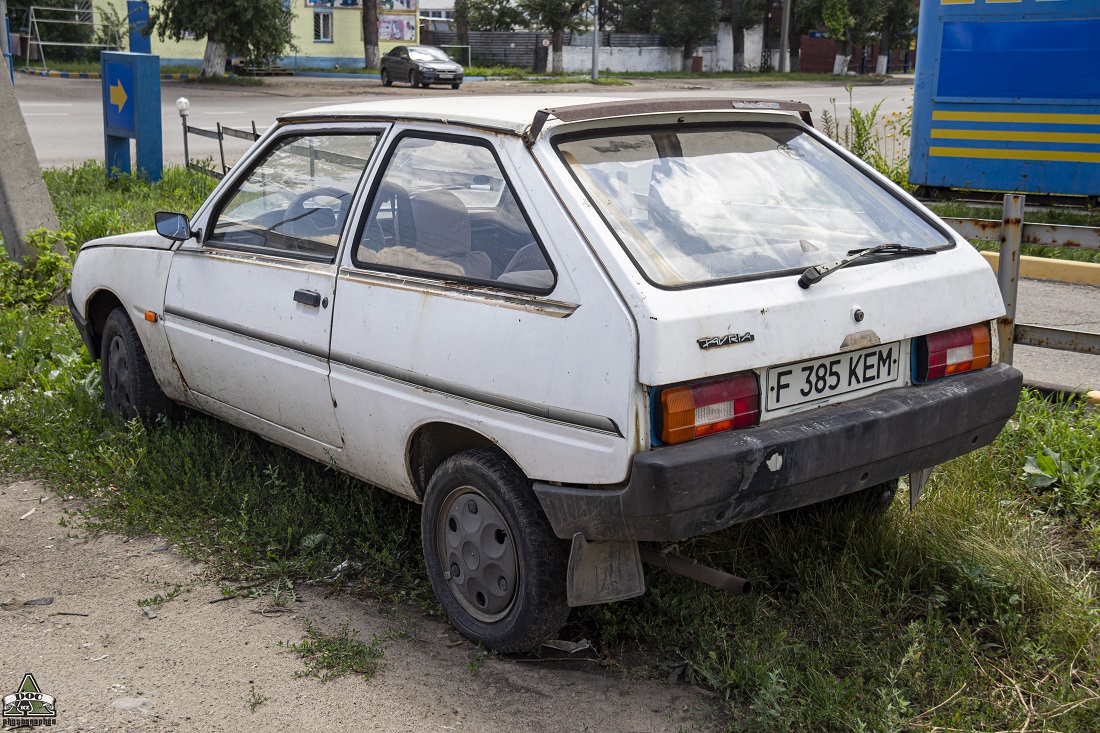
[{"x": 1007, "y": 96}]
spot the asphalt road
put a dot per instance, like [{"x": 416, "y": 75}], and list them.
[{"x": 65, "y": 119}]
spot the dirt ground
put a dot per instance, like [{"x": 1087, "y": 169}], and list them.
[{"x": 202, "y": 666}]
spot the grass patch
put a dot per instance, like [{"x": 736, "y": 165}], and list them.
[
  {"x": 604, "y": 81},
  {"x": 1073, "y": 217},
  {"x": 328, "y": 656},
  {"x": 978, "y": 611},
  {"x": 90, "y": 205}
]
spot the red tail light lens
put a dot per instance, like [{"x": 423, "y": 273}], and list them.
[
  {"x": 953, "y": 352},
  {"x": 709, "y": 407}
]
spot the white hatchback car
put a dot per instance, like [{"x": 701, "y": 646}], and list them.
[{"x": 565, "y": 325}]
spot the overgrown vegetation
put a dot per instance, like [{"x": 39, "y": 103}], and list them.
[
  {"x": 978, "y": 611},
  {"x": 881, "y": 143},
  {"x": 328, "y": 656}
]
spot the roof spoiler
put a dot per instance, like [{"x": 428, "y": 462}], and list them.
[{"x": 625, "y": 107}]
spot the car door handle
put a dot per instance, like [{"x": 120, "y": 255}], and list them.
[{"x": 307, "y": 297}]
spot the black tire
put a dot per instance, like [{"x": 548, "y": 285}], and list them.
[
  {"x": 386, "y": 80},
  {"x": 478, "y": 505},
  {"x": 414, "y": 79},
  {"x": 455, "y": 86},
  {"x": 129, "y": 387}
]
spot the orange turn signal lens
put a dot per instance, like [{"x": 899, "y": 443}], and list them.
[
  {"x": 151, "y": 316},
  {"x": 709, "y": 407}
]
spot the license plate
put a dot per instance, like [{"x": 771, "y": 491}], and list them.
[
  {"x": 815, "y": 379},
  {"x": 446, "y": 76}
]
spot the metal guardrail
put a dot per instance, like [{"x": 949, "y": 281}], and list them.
[
  {"x": 1012, "y": 232},
  {"x": 219, "y": 134}
]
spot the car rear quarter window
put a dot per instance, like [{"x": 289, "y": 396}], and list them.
[
  {"x": 295, "y": 201},
  {"x": 444, "y": 209}
]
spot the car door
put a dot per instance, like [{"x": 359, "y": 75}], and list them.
[
  {"x": 451, "y": 310},
  {"x": 248, "y": 305}
]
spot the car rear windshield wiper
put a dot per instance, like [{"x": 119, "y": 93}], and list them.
[{"x": 817, "y": 272}]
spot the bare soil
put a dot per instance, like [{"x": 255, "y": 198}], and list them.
[{"x": 202, "y": 666}]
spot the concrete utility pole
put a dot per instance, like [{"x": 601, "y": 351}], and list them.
[
  {"x": 25, "y": 203},
  {"x": 785, "y": 40},
  {"x": 4, "y": 27}
]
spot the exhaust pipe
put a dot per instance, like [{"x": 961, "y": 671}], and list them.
[{"x": 680, "y": 565}]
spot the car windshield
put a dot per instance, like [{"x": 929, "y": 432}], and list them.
[
  {"x": 703, "y": 204},
  {"x": 427, "y": 53}
]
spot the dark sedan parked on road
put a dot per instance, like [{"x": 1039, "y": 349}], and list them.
[{"x": 420, "y": 65}]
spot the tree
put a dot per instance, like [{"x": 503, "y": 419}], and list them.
[
  {"x": 372, "y": 57},
  {"x": 686, "y": 22},
  {"x": 899, "y": 18},
  {"x": 258, "y": 30},
  {"x": 462, "y": 21},
  {"x": 494, "y": 15},
  {"x": 741, "y": 16},
  {"x": 631, "y": 16},
  {"x": 850, "y": 23},
  {"x": 556, "y": 16}
]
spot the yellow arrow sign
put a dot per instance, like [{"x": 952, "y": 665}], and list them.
[{"x": 118, "y": 96}]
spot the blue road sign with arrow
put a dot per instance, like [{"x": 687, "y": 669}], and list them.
[{"x": 131, "y": 110}]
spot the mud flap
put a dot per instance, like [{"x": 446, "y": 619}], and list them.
[
  {"x": 917, "y": 480},
  {"x": 603, "y": 572}
]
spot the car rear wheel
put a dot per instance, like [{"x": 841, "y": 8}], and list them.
[
  {"x": 129, "y": 387},
  {"x": 386, "y": 80},
  {"x": 492, "y": 558}
]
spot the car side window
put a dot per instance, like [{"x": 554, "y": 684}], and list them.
[
  {"x": 295, "y": 201},
  {"x": 445, "y": 209}
]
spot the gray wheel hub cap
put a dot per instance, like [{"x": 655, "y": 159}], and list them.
[
  {"x": 477, "y": 554},
  {"x": 118, "y": 375}
]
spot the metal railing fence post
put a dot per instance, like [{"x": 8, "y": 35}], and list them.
[{"x": 1008, "y": 270}]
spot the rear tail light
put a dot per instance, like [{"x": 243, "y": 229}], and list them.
[
  {"x": 953, "y": 352},
  {"x": 709, "y": 407}
]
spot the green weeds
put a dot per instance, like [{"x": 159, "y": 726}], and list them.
[
  {"x": 90, "y": 205},
  {"x": 883, "y": 143},
  {"x": 161, "y": 598},
  {"x": 327, "y": 656}
]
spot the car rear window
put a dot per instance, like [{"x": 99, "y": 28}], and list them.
[{"x": 705, "y": 204}]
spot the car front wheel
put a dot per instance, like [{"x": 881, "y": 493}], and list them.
[
  {"x": 414, "y": 79},
  {"x": 386, "y": 80},
  {"x": 129, "y": 387},
  {"x": 455, "y": 86},
  {"x": 492, "y": 558}
]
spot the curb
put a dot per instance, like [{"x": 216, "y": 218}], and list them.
[
  {"x": 1045, "y": 268},
  {"x": 61, "y": 74},
  {"x": 1064, "y": 393},
  {"x": 96, "y": 75}
]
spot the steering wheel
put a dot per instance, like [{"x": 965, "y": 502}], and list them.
[{"x": 296, "y": 211}]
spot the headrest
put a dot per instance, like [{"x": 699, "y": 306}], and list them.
[{"x": 442, "y": 224}]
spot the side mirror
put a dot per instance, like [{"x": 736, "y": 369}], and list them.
[{"x": 172, "y": 226}]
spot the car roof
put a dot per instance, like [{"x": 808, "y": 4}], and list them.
[
  {"x": 505, "y": 112},
  {"x": 518, "y": 113}
]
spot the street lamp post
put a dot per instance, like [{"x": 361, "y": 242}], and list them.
[{"x": 184, "y": 106}]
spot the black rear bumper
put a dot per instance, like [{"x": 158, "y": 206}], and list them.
[{"x": 706, "y": 485}]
